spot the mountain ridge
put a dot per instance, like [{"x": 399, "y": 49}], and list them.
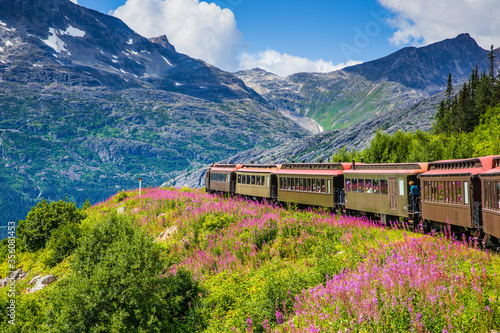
[
  {"x": 87, "y": 106},
  {"x": 346, "y": 97}
]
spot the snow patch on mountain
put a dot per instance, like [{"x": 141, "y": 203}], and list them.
[
  {"x": 166, "y": 60},
  {"x": 72, "y": 31},
  {"x": 55, "y": 42},
  {"x": 3, "y": 23}
]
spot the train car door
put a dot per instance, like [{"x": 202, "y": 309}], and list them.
[{"x": 392, "y": 194}]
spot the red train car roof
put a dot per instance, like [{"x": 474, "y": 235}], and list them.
[
  {"x": 260, "y": 168},
  {"x": 224, "y": 167},
  {"x": 495, "y": 170},
  {"x": 317, "y": 169},
  {"x": 310, "y": 172},
  {"x": 389, "y": 168},
  {"x": 469, "y": 166}
]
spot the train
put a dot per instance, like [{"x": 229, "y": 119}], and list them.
[{"x": 459, "y": 194}]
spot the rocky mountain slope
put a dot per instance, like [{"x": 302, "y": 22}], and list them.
[
  {"x": 355, "y": 94},
  {"x": 87, "y": 106},
  {"x": 418, "y": 116}
]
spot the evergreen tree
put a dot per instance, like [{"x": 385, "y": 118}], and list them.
[
  {"x": 449, "y": 91},
  {"x": 491, "y": 59}
]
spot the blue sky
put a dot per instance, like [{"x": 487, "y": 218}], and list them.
[{"x": 297, "y": 35}]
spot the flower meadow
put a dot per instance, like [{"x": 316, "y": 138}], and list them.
[
  {"x": 266, "y": 268},
  {"x": 272, "y": 269}
]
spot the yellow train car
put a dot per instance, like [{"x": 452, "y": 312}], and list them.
[
  {"x": 312, "y": 184},
  {"x": 257, "y": 180},
  {"x": 221, "y": 178},
  {"x": 381, "y": 189}
]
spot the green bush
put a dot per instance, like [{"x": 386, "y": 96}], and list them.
[
  {"x": 62, "y": 243},
  {"x": 119, "y": 284},
  {"x": 42, "y": 220}
]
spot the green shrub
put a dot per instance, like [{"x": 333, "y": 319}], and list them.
[
  {"x": 42, "y": 220},
  {"x": 121, "y": 196},
  {"x": 62, "y": 243},
  {"x": 117, "y": 285}
]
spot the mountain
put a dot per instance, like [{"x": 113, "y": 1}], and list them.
[
  {"x": 87, "y": 106},
  {"x": 355, "y": 94},
  {"x": 418, "y": 116}
]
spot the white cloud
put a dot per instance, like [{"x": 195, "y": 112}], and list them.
[
  {"x": 199, "y": 29},
  {"x": 284, "y": 64},
  {"x": 428, "y": 21}
]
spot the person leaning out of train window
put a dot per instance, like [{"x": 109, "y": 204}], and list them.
[{"x": 415, "y": 192}]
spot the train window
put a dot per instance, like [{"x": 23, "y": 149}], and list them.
[
  {"x": 440, "y": 193},
  {"x": 458, "y": 186},
  {"x": 488, "y": 194},
  {"x": 466, "y": 193},
  {"x": 497, "y": 195},
  {"x": 296, "y": 184},
  {"x": 453, "y": 192},
  {"x": 368, "y": 185},
  {"x": 267, "y": 181},
  {"x": 293, "y": 184},
  {"x": 354, "y": 185},
  {"x": 446, "y": 192},
  {"x": 252, "y": 180},
  {"x": 383, "y": 186},
  {"x": 239, "y": 179},
  {"x": 301, "y": 184},
  {"x": 376, "y": 186},
  {"x": 401, "y": 187},
  {"x": 314, "y": 185},
  {"x": 323, "y": 186},
  {"x": 281, "y": 182},
  {"x": 309, "y": 185},
  {"x": 330, "y": 190},
  {"x": 258, "y": 180},
  {"x": 347, "y": 184},
  {"x": 248, "y": 179},
  {"x": 361, "y": 185}
]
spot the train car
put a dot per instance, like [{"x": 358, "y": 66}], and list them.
[
  {"x": 451, "y": 193},
  {"x": 257, "y": 180},
  {"x": 221, "y": 178},
  {"x": 490, "y": 184},
  {"x": 312, "y": 184},
  {"x": 381, "y": 189}
]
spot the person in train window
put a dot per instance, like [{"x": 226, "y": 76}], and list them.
[{"x": 415, "y": 192}]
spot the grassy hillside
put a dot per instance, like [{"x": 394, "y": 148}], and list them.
[{"x": 183, "y": 260}]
